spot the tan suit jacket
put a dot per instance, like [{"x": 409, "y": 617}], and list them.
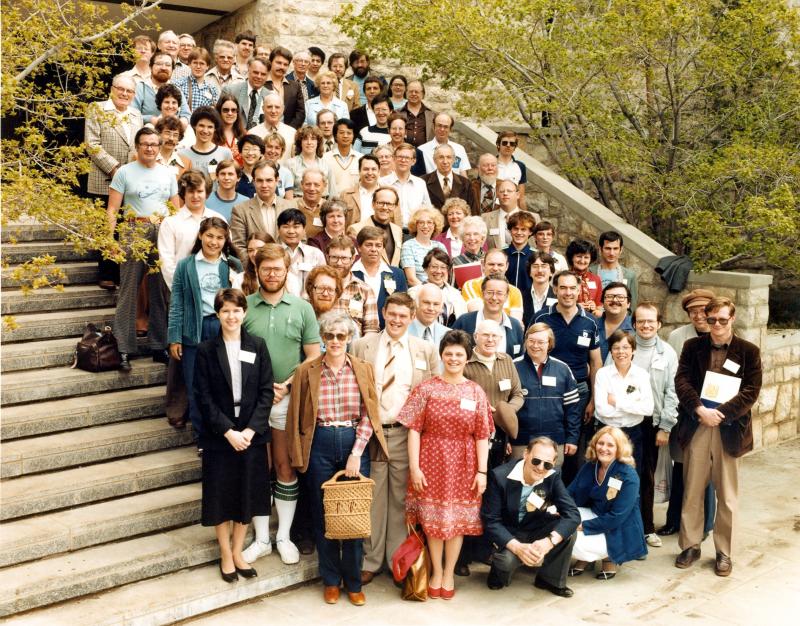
[
  {"x": 397, "y": 235},
  {"x": 495, "y": 234},
  {"x": 366, "y": 349},
  {"x": 246, "y": 219},
  {"x": 348, "y": 91},
  {"x": 107, "y": 143},
  {"x": 301, "y": 420}
]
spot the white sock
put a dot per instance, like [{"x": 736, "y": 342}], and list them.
[
  {"x": 285, "y": 505},
  {"x": 261, "y": 526}
]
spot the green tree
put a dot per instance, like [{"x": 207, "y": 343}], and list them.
[
  {"x": 680, "y": 115},
  {"x": 56, "y": 56}
]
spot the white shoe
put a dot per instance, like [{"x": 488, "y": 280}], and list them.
[
  {"x": 653, "y": 540},
  {"x": 256, "y": 550},
  {"x": 288, "y": 551}
]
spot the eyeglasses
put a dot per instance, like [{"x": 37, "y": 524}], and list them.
[
  {"x": 646, "y": 322},
  {"x": 513, "y": 144},
  {"x": 272, "y": 271},
  {"x": 723, "y": 321},
  {"x": 610, "y": 298},
  {"x": 324, "y": 289},
  {"x": 339, "y": 259},
  {"x": 340, "y": 337},
  {"x": 537, "y": 462},
  {"x": 233, "y": 110},
  {"x": 382, "y": 204},
  {"x": 539, "y": 266},
  {"x": 539, "y": 343},
  {"x": 124, "y": 90},
  {"x": 150, "y": 145},
  {"x": 494, "y": 294}
]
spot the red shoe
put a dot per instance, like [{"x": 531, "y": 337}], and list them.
[
  {"x": 447, "y": 594},
  {"x": 435, "y": 593}
]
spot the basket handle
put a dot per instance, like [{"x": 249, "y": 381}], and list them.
[{"x": 340, "y": 474}]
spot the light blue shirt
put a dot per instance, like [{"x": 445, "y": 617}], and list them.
[
  {"x": 208, "y": 279},
  {"x": 413, "y": 253},
  {"x": 224, "y": 207},
  {"x": 314, "y": 106},
  {"x": 145, "y": 190}
]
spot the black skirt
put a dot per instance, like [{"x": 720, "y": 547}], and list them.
[{"x": 235, "y": 484}]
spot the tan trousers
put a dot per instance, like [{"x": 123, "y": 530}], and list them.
[
  {"x": 388, "y": 514},
  {"x": 705, "y": 458}
]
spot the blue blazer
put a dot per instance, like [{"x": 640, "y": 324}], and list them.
[
  {"x": 313, "y": 92},
  {"x": 186, "y": 302},
  {"x": 619, "y": 518},
  {"x": 400, "y": 285},
  {"x": 514, "y": 335}
]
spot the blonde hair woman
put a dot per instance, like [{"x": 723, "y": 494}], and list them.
[{"x": 425, "y": 223}]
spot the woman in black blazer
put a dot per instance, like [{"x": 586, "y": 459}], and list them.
[{"x": 233, "y": 386}]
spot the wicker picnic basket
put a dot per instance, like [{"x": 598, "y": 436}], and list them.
[{"x": 347, "y": 504}]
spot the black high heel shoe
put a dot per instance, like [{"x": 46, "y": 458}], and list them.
[
  {"x": 231, "y": 577},
  {"x": 250, "y": 572}
]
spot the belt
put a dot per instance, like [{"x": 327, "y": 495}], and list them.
[
  {"x": 392, "y": 425},
  {"x": 342, "y": 424}
]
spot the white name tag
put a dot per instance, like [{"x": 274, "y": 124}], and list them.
[
  {"x": 550, "y": 301},
  {"x": 549, "y": 381},
  {"x": 494, "y": 231},
  {"x": 516, "y": 348},
  {"x": 317, "y": 222},
  {"x": 552, "y": 509},
  {"x": 584, "y": 341},
  {"x": 731, "y": 366},
  {"x": 420, "y": 364},
  {"x": 212, "y": 169},
  {"x": 592, "y": 284},
  {"x": 536, "y": 501},
  {"x": 467, "y": 404},
  {"x": 624, "y": 281},
  {"x": 505, "y": 384},
  {"x": 246, "y": 356},
  {"x": 356, "y": 307},
  {"x": 390, "y": 285},
  {"x": 615, "y": 483}
]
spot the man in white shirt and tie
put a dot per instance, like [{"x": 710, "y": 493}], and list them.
[
  {"x": 427, "y": 323},
  {"x": 401, "y": 362}
]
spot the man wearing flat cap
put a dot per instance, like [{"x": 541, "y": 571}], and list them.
[
  {"x": 694, "y": 303},
  {"x": 530, "y": 517}
]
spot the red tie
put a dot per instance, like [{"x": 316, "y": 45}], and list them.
[{"x": 539, "y": 369}]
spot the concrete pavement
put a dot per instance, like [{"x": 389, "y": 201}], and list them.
[{"x": 764, "y": 587}]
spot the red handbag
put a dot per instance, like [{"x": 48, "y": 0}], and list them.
[{"x": 406, "y": 554}]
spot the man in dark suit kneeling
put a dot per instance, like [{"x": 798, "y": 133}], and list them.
[{"x": 529, "y": 516}]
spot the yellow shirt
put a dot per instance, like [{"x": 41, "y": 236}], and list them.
[{"x": 513, "y": 306}]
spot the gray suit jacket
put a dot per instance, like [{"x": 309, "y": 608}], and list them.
[
  {"x": 422, "y": 352},
  {"x": 107, "y": 144},
  {"x": 496, "y": 239},
  {"x": 246, "y": 219},
  {"x": 239, "y": 91}
]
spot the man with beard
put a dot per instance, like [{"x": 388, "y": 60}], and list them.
[
  {"x": 346, "y": 90},
  {"x": 289, "y": 327},
  {"x": 359, "y": 63},
  {"x": 484, "y": 189},
  {"x": 224, "y": 72},
  {"x": 419, "y": 118},
  {"x": 357, "y": 298},
  {"x": 294, "y": 110},
  {"x": 144, "y": 101}
]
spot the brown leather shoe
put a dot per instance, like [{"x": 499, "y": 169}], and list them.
[
  {"x": 357, "y": 598},
  {"x": 331, "y": 594},
  {"x": 687, "y": 557},
  {"x": 723, "y": 566},
  {"x": 367, "y": 576}
]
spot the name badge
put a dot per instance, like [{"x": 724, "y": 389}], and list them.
[
  {"x": 212, "y": 168},
  {"x": 245, "y": 356},
  {"x": 624, "y": 281},
  {"x": 494, "y": 231},
  {"x": 420, "y": 364},
  {"x": 505, "y": 384},
  {"x": 550, "y": 301},
  {"x": 304, "y": 267},
  {"x": 389, "y": 284},
  {"x": 516, "y": 348},
  {"x": 592, "y": 284},
  {"x": 730, "y": 366},
  {"x": 549, "y": 381},
  {"x": 584, "y": 341},
  {"x": 356, "y": 307},
  {"x": 615, "y": 483},
  {"x": 317, "y": 222},
  {"x": 535, "y": 501},
  {"x": 467, "y": 404}
]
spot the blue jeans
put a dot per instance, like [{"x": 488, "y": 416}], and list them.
[
  {"x": 209, "y": 331},
  {"x": 338, "y": 560}
]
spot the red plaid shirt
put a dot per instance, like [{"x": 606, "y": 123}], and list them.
[{"x": 340, "y": 401}]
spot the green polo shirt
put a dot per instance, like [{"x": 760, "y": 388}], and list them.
[{"x": 286, "y": 328}]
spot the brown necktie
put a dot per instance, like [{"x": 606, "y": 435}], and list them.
[
  {"x": 388, "y": 376},
  {"x": 488, "y": 200},
  {"x": 446, "y": 187}
]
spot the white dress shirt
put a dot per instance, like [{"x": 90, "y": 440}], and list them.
[
  {"x": 403, "y": 371},
  {"x": 632, "y": 393},
  {"x": 176, "y": 237}
]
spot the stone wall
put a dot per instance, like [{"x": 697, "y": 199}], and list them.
[{"x": 779, "y": 403}]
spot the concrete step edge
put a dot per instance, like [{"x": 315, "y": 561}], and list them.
[{"x": 36, "y": 326}]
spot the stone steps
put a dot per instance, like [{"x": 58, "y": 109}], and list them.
[
  {"x": 81, "y": 527},
  {"x": 16, "y": 301},
  {"x": 32, "y": 385},
  {"x": 28, "y": 420},
  {"x": 15, "y": 254},
  {"x": 56, "y": 324},
  {"x": 43, "y": 354},
  {"x": 41, "y": 493},
  {"x": 89, "y": 445},
  {"x": 77, "y": 273},
  {"x": 173, "y": 597},
  {"x": 46, "y": 581},
  {"x": 30, "y": 231}
]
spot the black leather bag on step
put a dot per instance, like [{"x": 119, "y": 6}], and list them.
[{"x": 97, "y": 351}]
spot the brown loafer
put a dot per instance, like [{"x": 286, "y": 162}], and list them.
[
  {"x": 366, "y": 577},
  {"x": 687, "y": 557},
  {"x": 331, "y": 594},
  {"x": 357, "y": 598},
  {"x": 723, "y": 565}
]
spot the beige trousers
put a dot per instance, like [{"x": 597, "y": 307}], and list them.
[
  {"x": 388, "y": 514},
  {"x": 703, "y": 459}
]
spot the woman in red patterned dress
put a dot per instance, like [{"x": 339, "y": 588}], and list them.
[{"x": 449, "y": 423}]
